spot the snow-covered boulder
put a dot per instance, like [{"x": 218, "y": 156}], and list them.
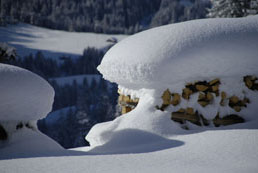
[
  {"x": 25, "y": 98},
  {"x": 197, "y": 73}
]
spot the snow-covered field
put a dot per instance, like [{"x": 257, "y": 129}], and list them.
[
  {"x": 53, "y": 43},
  {"x": 145, "y": 139},
  {"x": 229, "y": 151}
]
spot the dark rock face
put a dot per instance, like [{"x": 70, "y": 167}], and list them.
[{"x": 3, "y": 134}]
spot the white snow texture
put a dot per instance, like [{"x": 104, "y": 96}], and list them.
[
  {"x": 171, "y": 56},
  {"x": 174, "y": 53},
  {"x": 24, "y": 95}
]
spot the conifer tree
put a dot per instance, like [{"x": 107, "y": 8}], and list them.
[
  {"x": 7, "y": 53},
  {"x": 253, "y": 8},
  {"x": 229, "y": 8}
]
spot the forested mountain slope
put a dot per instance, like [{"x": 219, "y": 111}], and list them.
[{"x": 102, "y": 16}]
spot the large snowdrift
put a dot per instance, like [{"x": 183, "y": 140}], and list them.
[
  {"x": 170, "y": 54},
  {"x": 146, "y": 64},
  {"x": 24, "y": 95}
]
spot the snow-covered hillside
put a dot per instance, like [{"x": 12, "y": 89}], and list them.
[{"x": 29, "y": 39}]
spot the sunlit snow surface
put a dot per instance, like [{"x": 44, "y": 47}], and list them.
[
  {"x": 147, "y": 63},
  {"x": 174, "y": 53},
  {"x": 231, "y": 151},
  {"x": 172, "y": 56},
  {"x": 53, "y": 43}
]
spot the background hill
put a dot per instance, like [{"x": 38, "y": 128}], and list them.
[{"x": 102, "y": 16}]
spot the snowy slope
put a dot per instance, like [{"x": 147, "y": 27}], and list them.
[
  {"x": 29, "y": 39},
  {"x": 231, "y": 151}
]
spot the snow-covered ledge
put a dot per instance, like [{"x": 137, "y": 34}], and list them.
[{"x": 158, "y": 66}]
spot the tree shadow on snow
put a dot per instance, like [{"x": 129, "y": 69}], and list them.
[
  {"x": 132, "y": 141},
  {"x": 15, "y": 38}
]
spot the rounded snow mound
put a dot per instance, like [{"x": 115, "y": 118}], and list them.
[
  {"x": 23, "y": 95},
  {"x": 169, "y": 54},
  {"x": 173, "y": 57}
]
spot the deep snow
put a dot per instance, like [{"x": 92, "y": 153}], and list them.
[
  {"x": 181, "y": 52},
  {"x": 170, "y": 57},
  {"x": 231, "y": 151}
]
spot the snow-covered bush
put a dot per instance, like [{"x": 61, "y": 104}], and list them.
[
  {"x": 204, "y": 63},
  {"x": 25, "y": 98}
]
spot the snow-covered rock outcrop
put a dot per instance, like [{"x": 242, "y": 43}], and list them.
[
  {"x": 209, "y": 65},
  {"x": 25, "y": 98}
]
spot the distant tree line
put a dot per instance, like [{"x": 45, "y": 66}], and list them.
[
  {"x": 101, "y": 16},
  {"x": 64, "y": 66},
  {"x": 89, "y": 104}
]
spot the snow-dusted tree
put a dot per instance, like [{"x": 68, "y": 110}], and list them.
[
  {"x": 229, "y": 8},
  {"x": 253, "y": 8},
  {"x": 7, "y": 52}
]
